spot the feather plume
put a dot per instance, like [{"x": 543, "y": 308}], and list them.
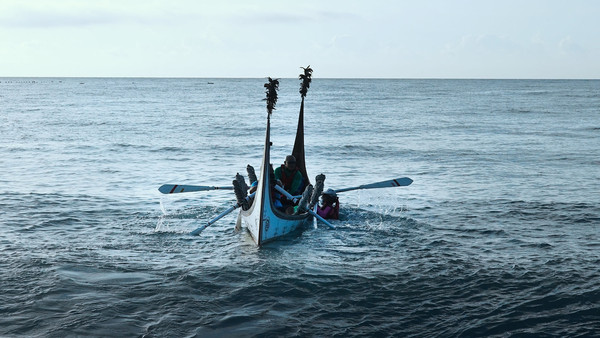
[
  {"x": 271, "y": 89},
  {"x": 306, "y": 78}
]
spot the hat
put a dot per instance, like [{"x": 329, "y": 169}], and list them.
[{"x": 330, "y": 192}]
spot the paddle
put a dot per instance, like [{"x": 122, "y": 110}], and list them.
[
  {"x": 177, "y": 188},
  {"x": 221, "y": 215},
  {"x": 398, "y": 182},
  {"x": 290, "y": 197},
  {"x": 287, "y": 194},
  {"x": 321, "y": 219}
]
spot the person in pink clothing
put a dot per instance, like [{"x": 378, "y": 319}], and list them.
[{"x": 330, "y": 205}]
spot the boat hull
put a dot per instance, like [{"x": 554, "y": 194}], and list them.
[
  {"x": 264, "y": 222},
  {"x": 269, "y": 224}
]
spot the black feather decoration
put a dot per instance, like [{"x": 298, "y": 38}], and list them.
[
  {"x": 272, "y": 87},
  {"x": 306, "y": 78}
]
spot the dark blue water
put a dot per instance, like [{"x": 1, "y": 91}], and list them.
[{"x": 499, "y": 234}]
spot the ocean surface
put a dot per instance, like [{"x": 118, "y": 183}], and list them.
[{"x": 498, "y": 236}]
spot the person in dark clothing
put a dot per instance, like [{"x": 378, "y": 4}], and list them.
[{"x": 289, "y": 176}]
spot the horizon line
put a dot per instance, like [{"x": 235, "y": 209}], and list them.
[{"x": 264, "y": 77}]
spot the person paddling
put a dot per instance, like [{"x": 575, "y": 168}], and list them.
[
  {"x": 289, "y": 176},
  {"x": 330, "y": 205}
]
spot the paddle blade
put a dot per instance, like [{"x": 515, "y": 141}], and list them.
[{"x": 398, "y": 182}]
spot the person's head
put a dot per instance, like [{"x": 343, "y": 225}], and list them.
[
  {"x": 290, "y": 162},
  {"x": 329, "y": 196}
]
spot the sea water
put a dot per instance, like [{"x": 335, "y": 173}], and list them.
[{"x": 498, "y": 235}]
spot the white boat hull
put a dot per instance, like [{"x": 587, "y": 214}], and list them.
[
  {"x": 271, "y": 225},
  {"x": 264, "y": 222}
]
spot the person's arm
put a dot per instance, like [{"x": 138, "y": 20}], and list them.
[
  {"x": 277, "y": 173},
  {"x": 335, "y": 212}
]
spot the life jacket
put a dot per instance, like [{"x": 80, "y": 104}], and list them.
[
  {"x": 330, "y": 212},
  {"x": 287, "y": 180}
]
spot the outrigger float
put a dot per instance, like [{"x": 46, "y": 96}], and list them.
[{"x": 258, "y": 213}]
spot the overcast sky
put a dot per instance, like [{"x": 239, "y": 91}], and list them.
[{"x": 258, "y": 38}]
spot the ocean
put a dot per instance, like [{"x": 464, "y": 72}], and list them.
[{"x": 498, "y": 236}]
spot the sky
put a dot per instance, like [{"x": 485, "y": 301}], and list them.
[{"x": 537, "y": 39}]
